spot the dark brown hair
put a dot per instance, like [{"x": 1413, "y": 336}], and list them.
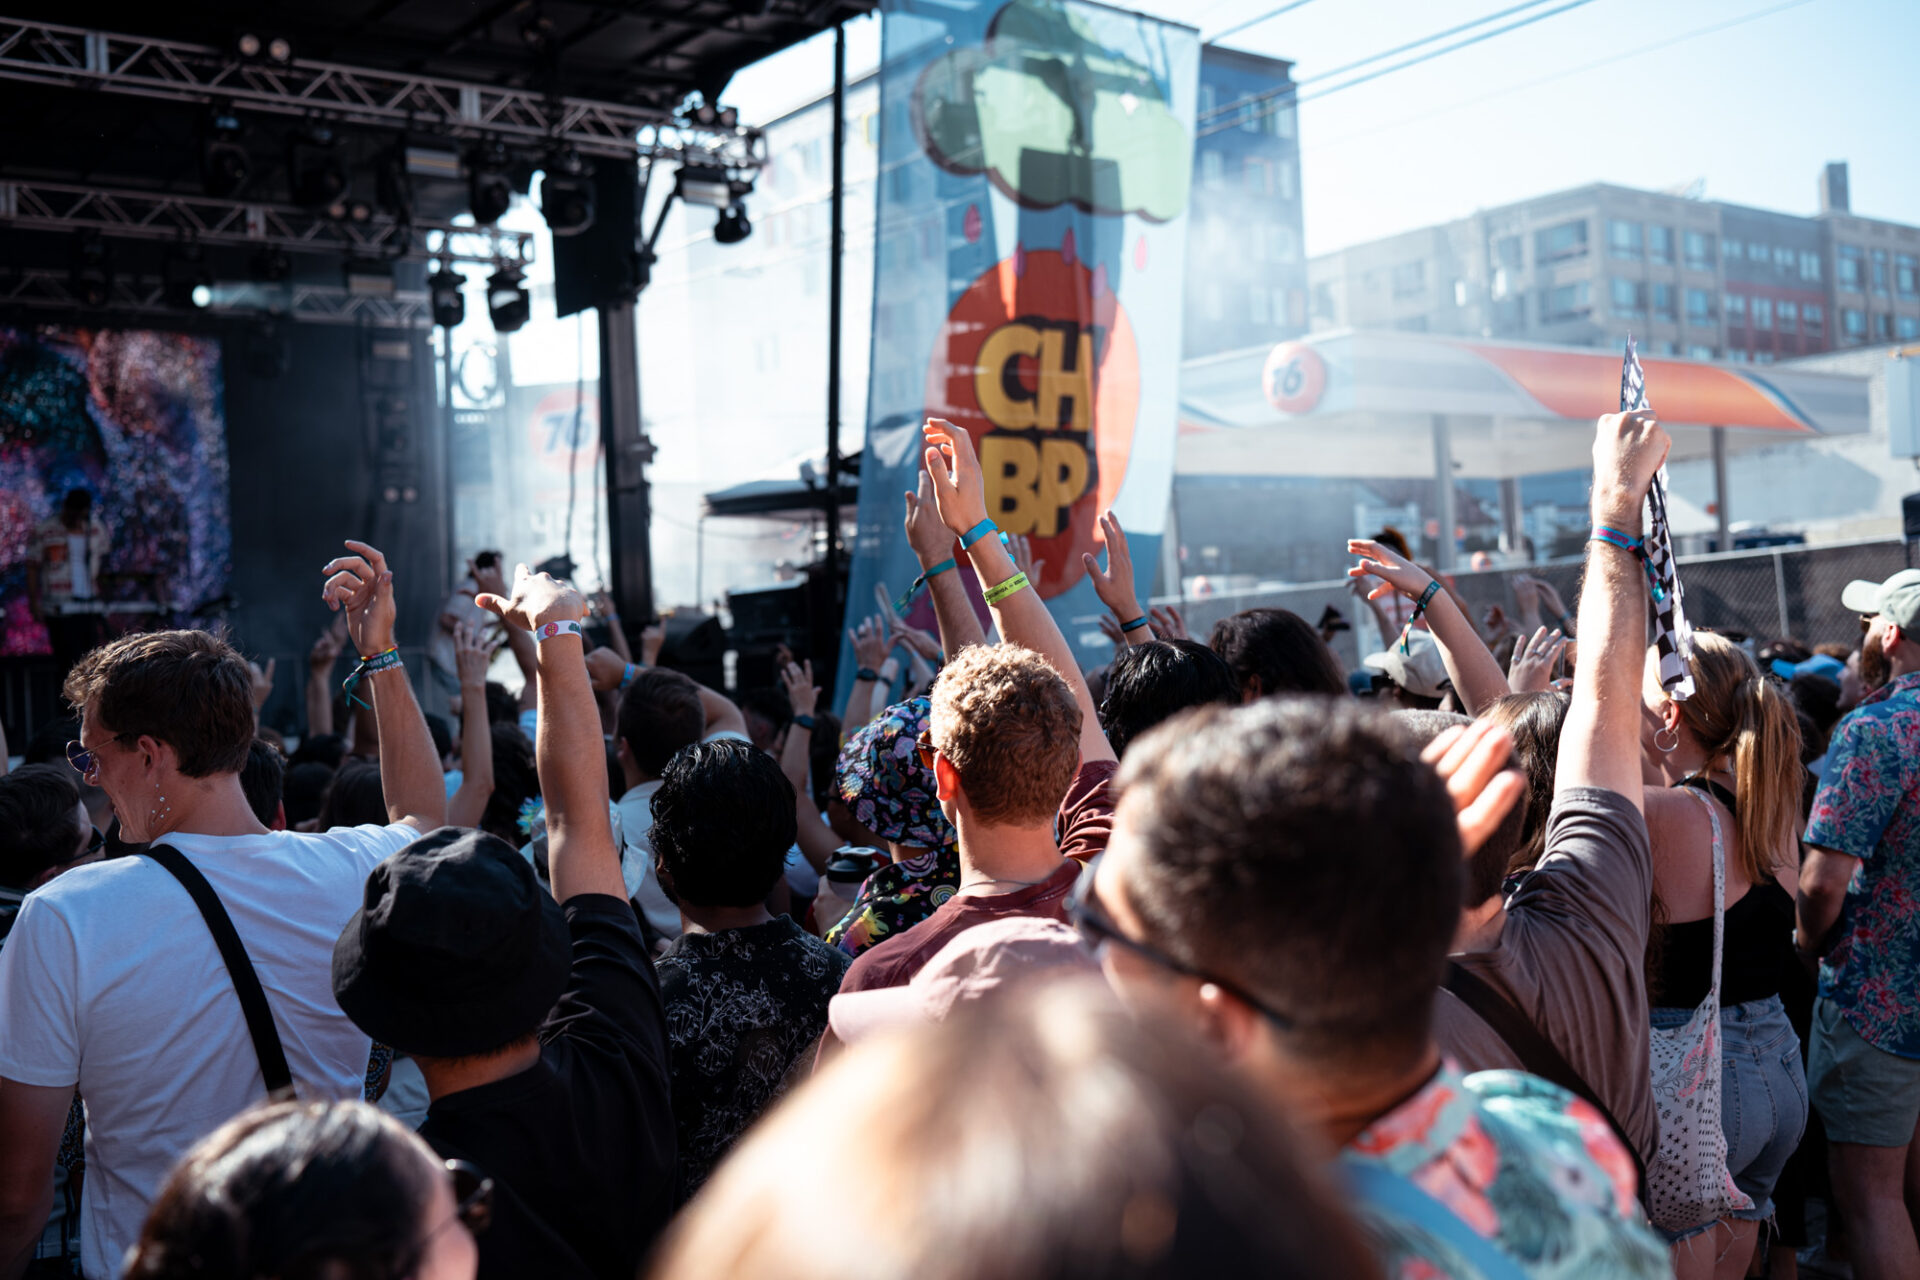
[
  {"x": 1533, "y": 720},
  {"x": 1280, "y": 651},
  {"x": 659, "y": 713},
  {"x": 188, "y": 689}
]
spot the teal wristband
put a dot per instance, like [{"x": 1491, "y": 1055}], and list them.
[
  {"x": 900, "y": 605},
  {"x": 976, "y": 533},
  {"x": 1135, "y": 625}
]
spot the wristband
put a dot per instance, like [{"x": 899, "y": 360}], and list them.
[
  {"x": 805, "y": 722},
  {"x": 1419, "y": 608},
  {"x": 867, "y": 673},
  {"x": 1135, "y": 625},
  {"x": 1017, "y": 582},
  {"x": 1615, "y": 538},
  {"x": 563, "y": 627},
  {"x": 926, "y": 576},
  {"x": 378, "y": 662},
  {"x": 976, "y": 533},
  {"x": 627, "y": 676}
]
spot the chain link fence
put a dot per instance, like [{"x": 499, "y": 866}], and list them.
[{"x": 1768, "y": 593}]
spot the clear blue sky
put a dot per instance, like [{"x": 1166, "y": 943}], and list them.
[{"x": 1755, "y": 109}]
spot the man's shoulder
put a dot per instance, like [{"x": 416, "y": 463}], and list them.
[
  {"x": 89, "y": 890},
  {"x": 892, "y": 960}
]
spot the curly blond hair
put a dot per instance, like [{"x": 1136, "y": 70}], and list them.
[{"x": 1009, "y": 723}]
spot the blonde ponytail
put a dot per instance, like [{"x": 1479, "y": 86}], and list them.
[{"x": 1737, "y": 713}]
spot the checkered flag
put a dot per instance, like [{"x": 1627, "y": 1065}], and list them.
[{"x": 1667, "y": 627}]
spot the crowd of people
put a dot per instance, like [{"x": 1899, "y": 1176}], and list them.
[{"x": 1496, "y": 958}]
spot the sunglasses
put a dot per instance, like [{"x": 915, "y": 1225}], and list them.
[
  {"x": 1096, "y": 931},
  {"x": 473, "y": 1208},
  {"x": 924, "y": 745},
  {"x": 1866, "y": 623},
  {"x": 85, "y": 759}
]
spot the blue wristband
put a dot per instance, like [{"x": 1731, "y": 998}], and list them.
[
  {"x": 900, "y": 605},
  {"x": 976, "y": 533},
  {"x": 1135, "y": 625}
]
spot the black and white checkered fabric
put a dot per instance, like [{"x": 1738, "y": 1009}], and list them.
[{"x": 1667, "y": 624}]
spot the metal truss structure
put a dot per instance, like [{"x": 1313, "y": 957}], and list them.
[
  {"x": 76, "y": 58},
  {"x": 145, "y": 295},
  {"x": 147, "y": 215}
]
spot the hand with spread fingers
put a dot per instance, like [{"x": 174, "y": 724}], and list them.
[
  {"x": 1115, "y": 586},
  {"x": 1023, "y": 558},
  {"x": 959, "y": 490},
  {"x": 931, "y": 540},
  {"x": 1169, "y": 623},
  {"x": 1395, "y": 571},
  {"x": 1531, "y": 670},
  {"x": 262, "y": 681},
  {"x": 797, "y": 679},
  {"x": 473, "y": 652},
  {"x": 869, "y": 641},
  {"x": 1471, "y": 760},
  {"x": 361, "y": 586}
]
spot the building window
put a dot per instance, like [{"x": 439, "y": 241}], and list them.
[
  {"x": 1698, "y": 352},
  {"x": 1625, "y": 239},
  {"x": 1786, "y": 317},
  {"x": 1853, "y": 323},
  {"x": 1905, "y": 327},
  {"x": 1629, "y": 298},
  {"x": 1699, "y": 250},
  {"x": 1815, "y": 317},
  {"x": 1736, "y": 308},
  {"x": 1282, "y": 122},
  {"x": 1880, "y": 272},
  {"x": 1732, "y": 248},
  {"x": 1257, "y": 173},
  {"x": 1665, "y": 348},
  {"x": 1409, "y": 279},
  {"x": 1663, "y": 304},
  {"x": 1783, "y": 260},
  {"x": 1209, "y": 100},
  {"x": 1506, "y": 253},
  {"x": 1763, "y": 313},
  {"x": 1699, "y": 306},
  {"x": 1212, "y": 169},
  {"x": 1660, "y": 244},
  {"x": 1566, "y": 302},
  {"x": 1280, "y": 244},
  {"x": 1851, "y": 268},
  {"x": 1568, "y": 240},
  {"x": 1809, "y": 265},
  {"x": 1286, "y": 180},
  {"x": 1883, "y": 327},
  {"x": 1906, "y": 275},
  {"x": 1756, "y": 252}
]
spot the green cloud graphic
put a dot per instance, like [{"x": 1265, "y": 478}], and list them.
[{"x": 1052, "y": 117}]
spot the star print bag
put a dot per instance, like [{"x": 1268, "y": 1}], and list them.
[{"x": 1688, "y": 1183}]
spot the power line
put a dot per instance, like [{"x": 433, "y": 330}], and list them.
[
  {"x": 1290, "y": 93},
  {"x": 1256, "y": 21}
]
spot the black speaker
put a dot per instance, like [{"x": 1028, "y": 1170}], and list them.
[
  {"x": 1910, "y": 515},
  {"x": 696, "y": 646},
  {"x": 601, "y": 265}
]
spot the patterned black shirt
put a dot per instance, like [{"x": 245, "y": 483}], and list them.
[{"x": 743, "y": 1007}]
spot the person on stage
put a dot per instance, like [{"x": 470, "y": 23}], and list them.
[{"x": 63, "y": 579}]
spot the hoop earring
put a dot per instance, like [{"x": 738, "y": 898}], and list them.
[{"x": 1669, "y": 748}]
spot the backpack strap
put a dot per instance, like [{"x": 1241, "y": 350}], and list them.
[
  {"x": 1380, "y": 1188},
  {"x": 246, "y": 983},
  {"x": 1536, "y": 1053}
]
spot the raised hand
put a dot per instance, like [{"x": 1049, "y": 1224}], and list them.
[
  {"x": 537, "y": 598},
  {"x": 361, "y": 586},
  {"x": 959, "y": 490},
  {"x": 1110, "y": 628},
  {"x": 652, "y": 640},
  {"x": 1471, "y": 760},
  {"x": 1023, "y": 560},
  {"x": 1168, "y": 623},
  {"x": 797, "y": 679},
  {"x": 491, "y": 580},
  {"x": 1531, "y": 670},
  {"x": 262, "y": 682},
  {"x": 1628, "y": 450},
  {"x": 869, "y": 642},
  {"x": 1115, "y": 586},
  {"x": 1395, "y": 571},
  {"x": 473, "y": 653},
  {"x": 931, "y": 540}
]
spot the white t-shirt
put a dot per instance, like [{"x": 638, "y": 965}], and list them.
[{"x": 111, "y": 980}]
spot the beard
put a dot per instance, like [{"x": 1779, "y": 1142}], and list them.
[{"x": 1875, "y": 670}]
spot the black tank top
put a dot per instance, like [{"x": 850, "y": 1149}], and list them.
[{"x": 1758, "y": 946}]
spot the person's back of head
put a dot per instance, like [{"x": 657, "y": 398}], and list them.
[
  {"x": 502, "y": 706},
  {"x": 304, "y": 790},
  {"x": 305, "y": 1191},
  {"x": 659, "y": 714},
  {"x": 1273, "y": 651},
  {"x": 1035, "y": 1137},
  {"x": 355, "y": 798},
  {"x": 263, "y": 778},
  {"x": 516, "y": 780},
  {"x": 187, "y": 689},
  {"x": 1533, "y": 721},
  {"x": 1010, "y": 727},
  {"x": 1300, "y": 850},
  {"x": 442, "y": 735},
  {"x": 1419, "y": 727},
  {"x": 723, "y": 821},
  {"x": 767, "y": 712},
  {"x": 1147, "y": 683},
  {"x": 1392, "y": 537},
  {"x": 324, "y": 749},
  {"x": 42, "y": 826},
  {"x": 1743, "y": 717},
  {"x": 1819, "y": 697}
]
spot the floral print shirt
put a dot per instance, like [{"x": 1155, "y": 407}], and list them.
[
  {"x": 1869, "y": 808},
  {"x": 1522, "y": 1162},
  {"x": 743, "y": 1007}
]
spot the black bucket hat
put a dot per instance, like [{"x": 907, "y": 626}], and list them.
[{"x": 457, "y": 949}]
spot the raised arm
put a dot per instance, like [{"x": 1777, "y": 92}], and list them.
[
  {"x": 960, "y": 493},
  {"x": 1115, "y": 586},
  {"x": 567, "y": 749},
  {"x": 361, "y": 586},
  {"x": 1475, "y": 675},
  {"x": 1600, "y": 743},
  {"x": 320, "y": 662},
  {"x": 472, "y": 652},
  {"x": 869, "y": 641},
  {"x": 933, "y": 543}
]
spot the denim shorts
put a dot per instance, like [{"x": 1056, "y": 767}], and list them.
[{"x": 1763, "y": 1096}]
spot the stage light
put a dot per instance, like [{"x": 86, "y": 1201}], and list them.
[
  {"x": 508, "y": 304},
  {"x": 566, "y": 194},
  {"x": 185, "y": 281},
  {"x": 446, "y": 287},
  {"x": 224, "y": 163},
  {"x": 733, "y": 226},
  {"x": 248, "y": 45},
  {"x": 489, "y": 185},
  {"x": 255, "y": 46},
  {"x": 315, "y": 177},
  {"x": 279, "y": 50},
  {"x": 729, "y": 117},
  {"x": 704, "y": 184},
  {"x": 91, "y": 273}
]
